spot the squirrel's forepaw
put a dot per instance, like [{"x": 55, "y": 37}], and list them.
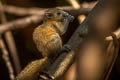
[{"x": 66, "y": 48}]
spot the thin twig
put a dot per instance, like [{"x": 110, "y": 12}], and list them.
[
  {"x": 114, "y": 56},
  {"x": 10, "y": 41},
  {"x": 7, "y": 59}
]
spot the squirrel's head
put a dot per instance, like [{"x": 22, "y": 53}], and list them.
[
  {"x": 60, "y": 16},
  {"x": 56, "y": 14}
]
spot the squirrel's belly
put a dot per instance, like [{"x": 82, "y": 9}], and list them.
[
  {"x": 54, "y": 45},
  {"x": 47, "y": 41}
]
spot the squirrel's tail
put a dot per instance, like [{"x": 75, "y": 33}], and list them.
[{"x": 31, "y": 71}]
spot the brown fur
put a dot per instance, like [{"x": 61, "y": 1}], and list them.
[{"x": 47, "y": 39}]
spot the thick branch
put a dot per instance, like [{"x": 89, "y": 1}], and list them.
[{"x": 91, "y": 25}]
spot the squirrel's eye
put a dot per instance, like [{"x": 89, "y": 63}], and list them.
[{"x": 58, "y": 13}]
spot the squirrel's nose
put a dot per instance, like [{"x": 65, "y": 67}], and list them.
[{"x": 71, "y": 18}]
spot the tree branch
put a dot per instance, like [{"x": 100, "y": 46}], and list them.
[
  {"x": 92, "y": 28},
  {"x": 20, "y": 23},
  {"x": 10, "y": 41},
  {"x": 7, "y": 59},
  {"x": 39, "y": 11}
]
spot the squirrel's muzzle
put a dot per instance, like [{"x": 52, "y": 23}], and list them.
[{"x": 71, "y": 18}]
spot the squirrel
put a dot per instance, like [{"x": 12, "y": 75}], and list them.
[{"x": 47, "y": 38}]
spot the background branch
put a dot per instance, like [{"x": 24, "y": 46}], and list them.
[
  {"x": 112, "y": 54},
  {"x": 11, "y": 43},
  {"x": 20, "y": 23},
  {"x": 6, "y": 58},
  {"x": 39, "y": 11}
]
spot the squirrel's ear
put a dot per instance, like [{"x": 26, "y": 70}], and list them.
[{"x": 49, "y": 15}]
